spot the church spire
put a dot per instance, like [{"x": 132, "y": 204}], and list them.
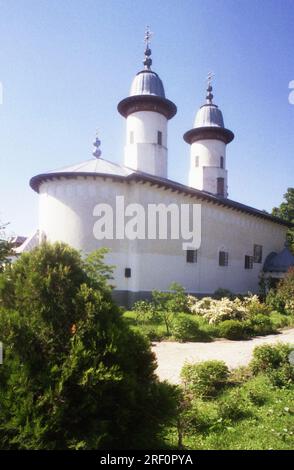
[
  {"x": 97, "y": 151},
  {"x": 209, "y": 95},
  {"x": 147, "y": 62}
]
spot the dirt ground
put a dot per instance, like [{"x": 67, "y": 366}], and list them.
[{"x": 171, "y": 356}]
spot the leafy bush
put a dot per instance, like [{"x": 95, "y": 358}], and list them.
[
  {"x": 275, "y": 301},
  {"x": 144, "y": 312},
  {"x": 269, "y": 357},
  {"x": 257, "y": 390},
  {"x": 205, "y": 379},
  {"x": 175, "y": 300},
  {"x": 260, "y": 324},
  {"x": 279, "y": 320},
  {"x": 234, "y": 406},
  {"x": 216, "y": 311},
  {"x": 198, "y": 416},
  {"x": 282, "y": 377},
  {"x": 74, "y": 375},
  {"x": 168, "y": 304},
  {"x": 282, "y": 299},
  {"x": 185, "y": 329},
  {"x": 274, "y": 361},
  {"x": 233, "y": 329}
]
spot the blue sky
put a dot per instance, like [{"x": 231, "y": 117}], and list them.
[{"x": 65, "y": 64}]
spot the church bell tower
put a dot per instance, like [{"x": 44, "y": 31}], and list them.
[
  {"x": 147, "y": 112},
  {"x": 208, "y": 140}
]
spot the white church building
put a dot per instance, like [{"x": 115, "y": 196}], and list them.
[{"x": 235, "y": 238}]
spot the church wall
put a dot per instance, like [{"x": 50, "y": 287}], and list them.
[
  {"x": 143, "y": 152},
  {"x": 66, "y": 214},
  {"x": 208, "y": 153}
]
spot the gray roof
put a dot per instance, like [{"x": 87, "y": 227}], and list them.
[
  {"x": 279, "y": 262},
  {"x": 147, "y": 82},
  {"x": 209, "y": 115},
  {"x": 103, "y": 168},
  {"x": 93, "y": 166}
]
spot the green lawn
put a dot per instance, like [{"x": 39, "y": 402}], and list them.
[{"x": 255, "y": 415}]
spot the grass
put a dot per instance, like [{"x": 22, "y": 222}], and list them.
[
  {"x": 156, "y": 331},
  {"x": 250, "y": 416}
]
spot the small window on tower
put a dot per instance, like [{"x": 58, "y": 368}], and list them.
[
  {"x": 159, "y": 138},
  {"x": 191, "y": 256},
  {"x": 221, "y": 162},
  {"x": 220, "y": 187},
  {"x": 257, "y": 253},
  {"x": 223, "y": 258},
  {"x": 248, "y": 262},
  {"x": 197, "y": 160},
  {"x": 131, "y": 137}
]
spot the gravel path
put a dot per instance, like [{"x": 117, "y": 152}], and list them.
[{"x": 171, "y": 356}]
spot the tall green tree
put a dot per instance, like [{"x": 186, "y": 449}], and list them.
[
  {"x": 286, "y": 212},
  {"x": 5, "y": 248},
  {"x": 74, "y": 376}
]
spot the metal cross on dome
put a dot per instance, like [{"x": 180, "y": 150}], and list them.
[
  {"x": 210, "y": 76},
  {"x": 97, "y": 151},
  {"x": 209, "y": 95},
  {"x": 148, "y": 36}
]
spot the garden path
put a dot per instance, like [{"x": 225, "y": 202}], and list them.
[{"x": 171, "y": 356}]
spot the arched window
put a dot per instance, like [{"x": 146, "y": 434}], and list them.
[
  {"x": 220, "y": 186},
  {"x": 223, "y": 258},
  {"x": 221, "y": 162},
  {"x": 159, "y": 138}
]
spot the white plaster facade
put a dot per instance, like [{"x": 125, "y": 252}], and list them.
[
  {"x": 207, "y": 163},
  {"x": 66, "y": 214},
  {"x": 146, "y": 149}
]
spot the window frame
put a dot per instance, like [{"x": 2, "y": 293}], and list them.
[
  {"x": 218, "y": 181},
  {"x": 257, "y": 253},
  {"x": 159, "y": 137},
  {"x": 248, "y": 262},
  {"x": 191, "y": 256},
  {"x": 223, "y": 258}
]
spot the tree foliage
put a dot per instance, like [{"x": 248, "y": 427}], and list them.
[
  {"x": 286, "y": 212},
  {"x": 5, "y": 248},
  {"x": 74, "y": 376}
]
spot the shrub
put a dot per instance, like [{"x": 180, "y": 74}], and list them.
[
  {"x": 234, "y": 406},
  {"x": 168, "y": 304},
  {"x": 260, "y": 324},
  {"x": 74, "y": 375},
  {"x": 185, "y": 329},
  {"x": 144, "y": 311},
  {"x": 233, "y": 329},
  {"x": 275, "y": 301},
  {"x": 282, "y": 377},
  {"x": 198, "y": 416},
  {"x": 205, "y": 379},
  {"x": 215, "y": 311},
  {"x": 255, "y": 307},
  {"x": 282, "y": 299},
  {"x": 273, "y": 360},
  {"x": 257, "y": 390}
]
